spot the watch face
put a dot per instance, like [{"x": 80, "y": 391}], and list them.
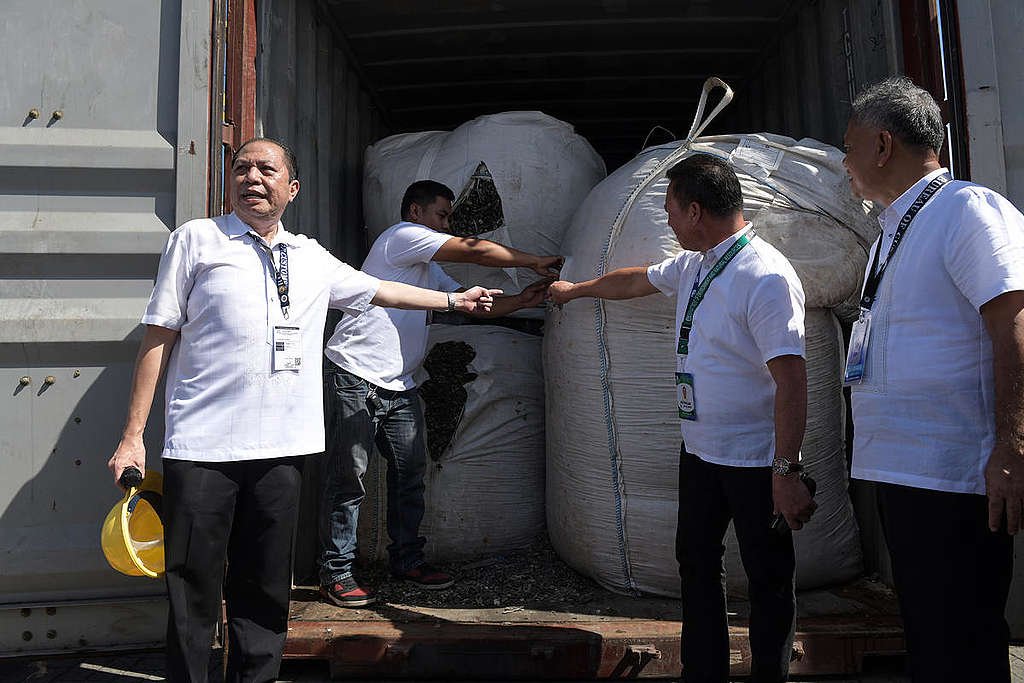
[{"x": 780, "y": 466}]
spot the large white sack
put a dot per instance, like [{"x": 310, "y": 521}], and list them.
[
  {"x": 613, "y": 433},
  {"x": 485, "y": 494},
  {"x": 540, "y": 168}
]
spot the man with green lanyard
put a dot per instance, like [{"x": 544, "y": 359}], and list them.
[{"x": 741, "y": 385}]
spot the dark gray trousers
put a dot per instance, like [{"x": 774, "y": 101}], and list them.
[
  {"x": 709, "y": 497},
  {"x": 953, "y": 579},
  {"x": 243, "y": 513}
]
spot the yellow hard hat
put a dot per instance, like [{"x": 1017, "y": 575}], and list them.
[{"x": 133, "y": 532}]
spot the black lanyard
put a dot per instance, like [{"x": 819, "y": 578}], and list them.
[
  {"x": 280, "y": 274},
  {"x": 875, "y": 274},
  {"x": 700, "y": 288}
]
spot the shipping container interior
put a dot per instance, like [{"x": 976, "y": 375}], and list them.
[{"x": 333, "y": 76}]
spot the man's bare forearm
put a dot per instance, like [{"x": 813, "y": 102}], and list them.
[
  {"x": 1004, "y": 471},
  {"x": 485, "y": 253},
  {"x": 624, "y": 283},
  {"x": 790, "y": 375},
  {"x": 154, "y": 351},
  {"x": 400, "y": 295},
  {"x": 1004, "y": 320}
]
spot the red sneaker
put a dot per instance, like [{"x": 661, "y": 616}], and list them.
[
  {"x": 347, "y": 593},
  {"x": 427, "y": 577}
]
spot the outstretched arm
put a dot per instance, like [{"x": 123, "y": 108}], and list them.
[
  {"x": 492, "y": 254},
  {"x": 150, "y": 365},
  {"x": 625, "y": 283},
  {"x": 400, "y": 295}
]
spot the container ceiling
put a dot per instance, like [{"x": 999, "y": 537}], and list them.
[{"x": 615, "y": 69}]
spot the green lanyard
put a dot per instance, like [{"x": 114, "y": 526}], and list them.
[{"x": 699, "y": 290}]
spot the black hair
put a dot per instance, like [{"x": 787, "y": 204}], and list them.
[
  {"x": 424, "y": 192},
  {"x": 289, "y": 155},
  {"x": 710, "y": 182}
]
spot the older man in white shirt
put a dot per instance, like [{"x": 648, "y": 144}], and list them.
[
  {"x": 237, "y": 320},
  {"x": 741, "y": 385},
  {"x": 937, "y": 368}
]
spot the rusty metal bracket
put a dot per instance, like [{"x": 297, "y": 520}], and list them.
[{"x": 634, "y": 660}]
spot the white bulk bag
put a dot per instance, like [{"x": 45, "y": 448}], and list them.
[
  {"x": 485, "y": 493},
  {"x": 613, "y": 433}
]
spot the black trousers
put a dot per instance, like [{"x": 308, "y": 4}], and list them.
[
  {"x": 245, "y": 513},
  {"x": 953, "y": 578},
  {"x": 709, "y": 496}
]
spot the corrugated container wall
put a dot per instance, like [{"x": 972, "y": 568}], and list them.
[
  {"x": 103, "y": 130},
  {"x": 310, "y": 95},
  {"x": 806, "y": 78}
]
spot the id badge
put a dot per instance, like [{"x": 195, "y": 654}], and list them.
[
  {"x": 685, "y": 396},
  {"x": 858, "y": 349},
  {"x": 287, "y": 348}
]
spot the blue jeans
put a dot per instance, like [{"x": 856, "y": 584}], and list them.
[{"x": 355, "y": 425}]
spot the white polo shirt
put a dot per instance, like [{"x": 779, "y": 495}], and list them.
[
  {"x": 215, "y": 285},
  {"x": 385, "y": 346},
  {"x": 752, "y": 312},
  {"x": 924, "y": 414}
]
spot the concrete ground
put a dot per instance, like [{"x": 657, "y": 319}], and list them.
[{"x": 149, "y": 666}]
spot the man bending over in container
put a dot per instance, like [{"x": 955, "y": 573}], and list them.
[
  {"x": 374, "y": 358},
  {"x": 742, "y": 392},
  {"x": 237, "y": 318}
]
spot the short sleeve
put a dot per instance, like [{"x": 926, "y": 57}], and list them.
[
  {"x": 666, "y": 275},
  {"x": 410, "y": 244},
  {"x": 441, "y": 281},
  {"x": 985, "y": 253},
  {"x": 775, "y": 316},
  {"x": 352, "y": 290},
  {"x": 168, "y": 304}
]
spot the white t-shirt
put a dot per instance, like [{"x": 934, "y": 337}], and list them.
[
  {"x": 924, "y": 414},
  {"x": 385, "y": 346},
  {"x": 752, "y": 312},
  {"x": 216, "y": 287}
]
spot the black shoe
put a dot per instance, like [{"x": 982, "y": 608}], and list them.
[
  {"x": 347, "y": 593},
  {"x": 427, "y": 577}
]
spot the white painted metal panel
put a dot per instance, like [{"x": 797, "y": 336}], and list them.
[
  {"x": 993, "y": 61},
  {"x": 89, "y": 191}
]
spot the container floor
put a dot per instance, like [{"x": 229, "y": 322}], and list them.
[{"x": 530, "y": 616}]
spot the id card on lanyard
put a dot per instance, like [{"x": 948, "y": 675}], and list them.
[
  {"x": 287, "y": 339},
  {"x": 686, "y": 392},
  {"x": 856, "y": 356}
]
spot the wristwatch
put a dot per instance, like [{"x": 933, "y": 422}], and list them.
[
  {"x": 782, "y": 467},
  {"x": 451, "y": 302}
]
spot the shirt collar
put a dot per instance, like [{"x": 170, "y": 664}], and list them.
[
  {"x": 237, "y": 228},
  {"x": 895, "y": 211},
  {"x": 723, "y": 246}
]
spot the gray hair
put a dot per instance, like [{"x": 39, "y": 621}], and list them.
[{"x": 904, "y": 109}]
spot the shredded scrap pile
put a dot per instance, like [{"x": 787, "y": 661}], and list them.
[
  {"x": 477, "y": 209},
  {"x": 444, "y": 395},
  {"x": 533, "y": 578}
]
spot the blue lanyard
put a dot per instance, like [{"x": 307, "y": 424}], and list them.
[
  {"x": 875, "y": 274},
  {"x": 280, "y": 274}
]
